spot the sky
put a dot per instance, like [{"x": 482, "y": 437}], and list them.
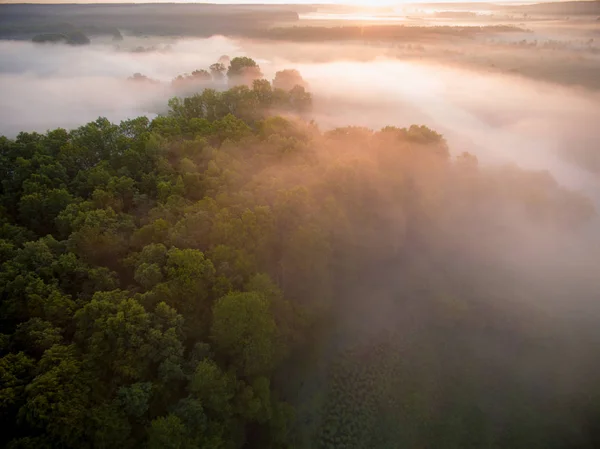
[{"x": 343, "y": 2}]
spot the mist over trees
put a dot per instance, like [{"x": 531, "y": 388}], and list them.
[
  {"x": 228, "y": 275},
  {"x": 288, "y": 79},
  {"x": 243, "y": 70},
  {"x": 250, "y": 94}
]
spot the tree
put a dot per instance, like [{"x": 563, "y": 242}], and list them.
[
  {"x": 142, "y": 79},
  {"x": 124, "y": 341},
  {"x": 214, "y": 388},
  {"x": 187, "y": 287},
  {"x": 300, "y": 99},
  {"x": 245, "y": 331},
  {"x": 217, "y": 71},
  {"x": 108, "y": 426},
  {"x": 36, "y": 336},
  {"x": 16, "y": 372},
  {"x": 264, "y": 92},
  {"x": 77, "y": 38},
  {"x": 134, "y": 399},
  {"x": 201, "y": 76},
  {"x": 288, "y": 79},
  {"x": 168, "y": 432},
  {"x": 57, "y": 399},
  {"x": 243, "y": 71},
  {"x": 100, "y": 236}
]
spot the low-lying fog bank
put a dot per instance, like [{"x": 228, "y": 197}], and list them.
[{"x": 500, "y": 118}]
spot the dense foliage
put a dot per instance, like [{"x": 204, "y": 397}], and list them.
[{"x": 166, "y": 283}]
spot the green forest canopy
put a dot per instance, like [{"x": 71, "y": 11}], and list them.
[{"x": 164, "y": 283}]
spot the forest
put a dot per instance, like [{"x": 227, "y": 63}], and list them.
[{"x": 229, "y": 275}]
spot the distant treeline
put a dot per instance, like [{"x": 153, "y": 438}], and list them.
[
  {"x": 381, "y": 32},
  {"x": 584, "y": 7},
  {"x": 572, "y": 8},
  {"x": 25, "y": 21},
  {"x": 73, "y": 38},
  {"x": 263, "y": 22}
]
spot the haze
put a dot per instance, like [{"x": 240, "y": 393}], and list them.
[
  {"x": 498, "y": 116},
  {"x": 300, "y": 226}
]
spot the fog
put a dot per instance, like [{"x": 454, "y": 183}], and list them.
[
  {"x": 503, "y": 119},
  {"x": 500, "y": 118},
  {"x": 47, "y": 86}
]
